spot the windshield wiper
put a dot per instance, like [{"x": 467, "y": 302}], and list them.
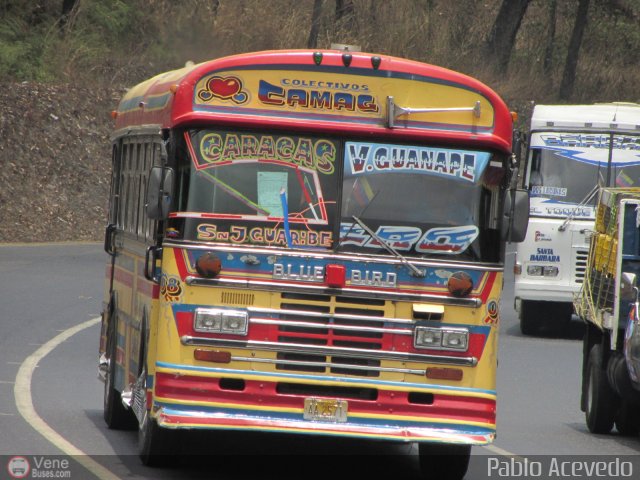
[
  {"x": 415, "y": 270},
  {"x": 584, "y": 201}
]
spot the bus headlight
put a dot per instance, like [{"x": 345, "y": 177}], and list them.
[
  {"x": 441, "y": 338},
  {"x": 542, "y": 271},
  {"x": 216, "y": 320}
]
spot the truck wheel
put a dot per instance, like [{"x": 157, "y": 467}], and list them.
[
  {"x": 530, "y": 315},
  {"x": 544, "y": 317},
  {"x": 628, "y": 419},
  {"x": 115, "y": 414},
  {"x": 601, "y": 400},
  {"x": 441, "y": 461}
]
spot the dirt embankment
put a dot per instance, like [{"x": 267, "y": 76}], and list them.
[{"x": 55, "y": 161}]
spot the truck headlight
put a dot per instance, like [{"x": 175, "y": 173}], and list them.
[
  {"x": 217, "y": 320},
  {"x": 441, "y": 338},
  {"x": 542, "y": 271}
]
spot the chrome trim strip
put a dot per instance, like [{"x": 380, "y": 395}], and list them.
[
  {"x": 357, "y": 257},
  {"x": 340, "y": 316},
  {"x": 327, "y": 326},
  {"x": 329, "y": 365},
  {"x": 323, "y": 350},
  {"x": 322, "y": 290}
]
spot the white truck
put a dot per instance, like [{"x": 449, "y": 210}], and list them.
[
  {"x": 608, "y": 304},
  {"x": 572, "y": 150}
]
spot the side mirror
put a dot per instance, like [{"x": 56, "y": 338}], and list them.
[
  {"x": 628, "y": 286},
  {"x": 159, "y": 193},
  {"x": 515, "y": 217}
]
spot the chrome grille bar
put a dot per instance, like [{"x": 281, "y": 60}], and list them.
[
  {"x": 345, "y": 366},
  {"x": 338, "y": 316},
  {"x": 326, "y": 350},
  {"x": 330, "y": 326}
]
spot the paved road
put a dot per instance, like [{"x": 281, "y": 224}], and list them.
[{"x": 49, "y": 289}]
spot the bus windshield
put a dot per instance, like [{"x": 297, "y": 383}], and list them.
[
  {"x": 420, "y": 200},
  {"x": 565, "y": 167},
  {"x": 283, "y": 191},
  {"x": 276, "y": 190}
]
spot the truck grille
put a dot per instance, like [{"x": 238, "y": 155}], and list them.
[{"x": 580, "y": 262}]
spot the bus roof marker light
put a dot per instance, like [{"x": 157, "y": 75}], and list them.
[
  {"x": 346, "y": 59},
  {"x": 375, "y": 62},
  {"x": 317, "y": 58},
  {"x": 209, "y": 265}
]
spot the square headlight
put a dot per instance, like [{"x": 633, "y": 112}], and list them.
[
  {"x": 426, "y": 337},
  {"x": 217, "y": 320},
  {"x": 455, "y": 339},
  {"x": 441, "y": 338},
  {"x": 235, "y": 322},
  {"x": 534, "y": 270},
  {"x": 550, "y": 271}
]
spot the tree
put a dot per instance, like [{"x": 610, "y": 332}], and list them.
[
  {"x": 551, "y": 38},
  {"x": 67, "y": 8},
  {"x": 571, "y": 64},
  {"x": 503, "y": 33},
  {"x": 312, "y": 41},
  {"x": 345, "y": 13}
]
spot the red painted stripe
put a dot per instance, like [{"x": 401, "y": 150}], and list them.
[{"x": 124, "y": 277}]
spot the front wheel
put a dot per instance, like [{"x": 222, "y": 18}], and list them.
[
  {"x": 601, "y": 401},
  {"x": 156, "y": 445},
  {"x": 442, "y": 461}
]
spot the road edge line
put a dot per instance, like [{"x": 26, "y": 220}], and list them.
[{"x": 24, "y": 403}]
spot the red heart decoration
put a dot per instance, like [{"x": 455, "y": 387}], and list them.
[{"x": 224, "y": 87}]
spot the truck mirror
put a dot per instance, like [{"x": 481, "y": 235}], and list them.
[
  {"x": 628, "y": 287},
  {"x": 159, "y": 193},
  {"x": 515, "y": 218}
]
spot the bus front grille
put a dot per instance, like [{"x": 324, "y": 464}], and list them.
[{"x": 312, "y": 321}]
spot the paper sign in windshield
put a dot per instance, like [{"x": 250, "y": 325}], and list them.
[{"x": 371, "y": 158}]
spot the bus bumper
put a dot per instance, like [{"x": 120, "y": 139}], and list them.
[{"x": 395, "y": 411}]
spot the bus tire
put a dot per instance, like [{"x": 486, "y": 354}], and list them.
[
  {"x": 155, "y": 444},
  {"x": 116, "y": 415},
  {"x": 627, "y": 419},
  {"x": 601, "y": 400},
  {"x": 442, "y": 461}
]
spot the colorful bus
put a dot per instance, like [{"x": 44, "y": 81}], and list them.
[{"x": 309, "y": 242}]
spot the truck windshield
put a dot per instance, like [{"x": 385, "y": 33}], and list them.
[{"x": 564, "y": 168}]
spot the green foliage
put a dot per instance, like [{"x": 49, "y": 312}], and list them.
[{"x": 20, "y": 53}]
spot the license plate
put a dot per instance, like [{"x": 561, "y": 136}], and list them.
[{"x": 325, "y": 410}]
